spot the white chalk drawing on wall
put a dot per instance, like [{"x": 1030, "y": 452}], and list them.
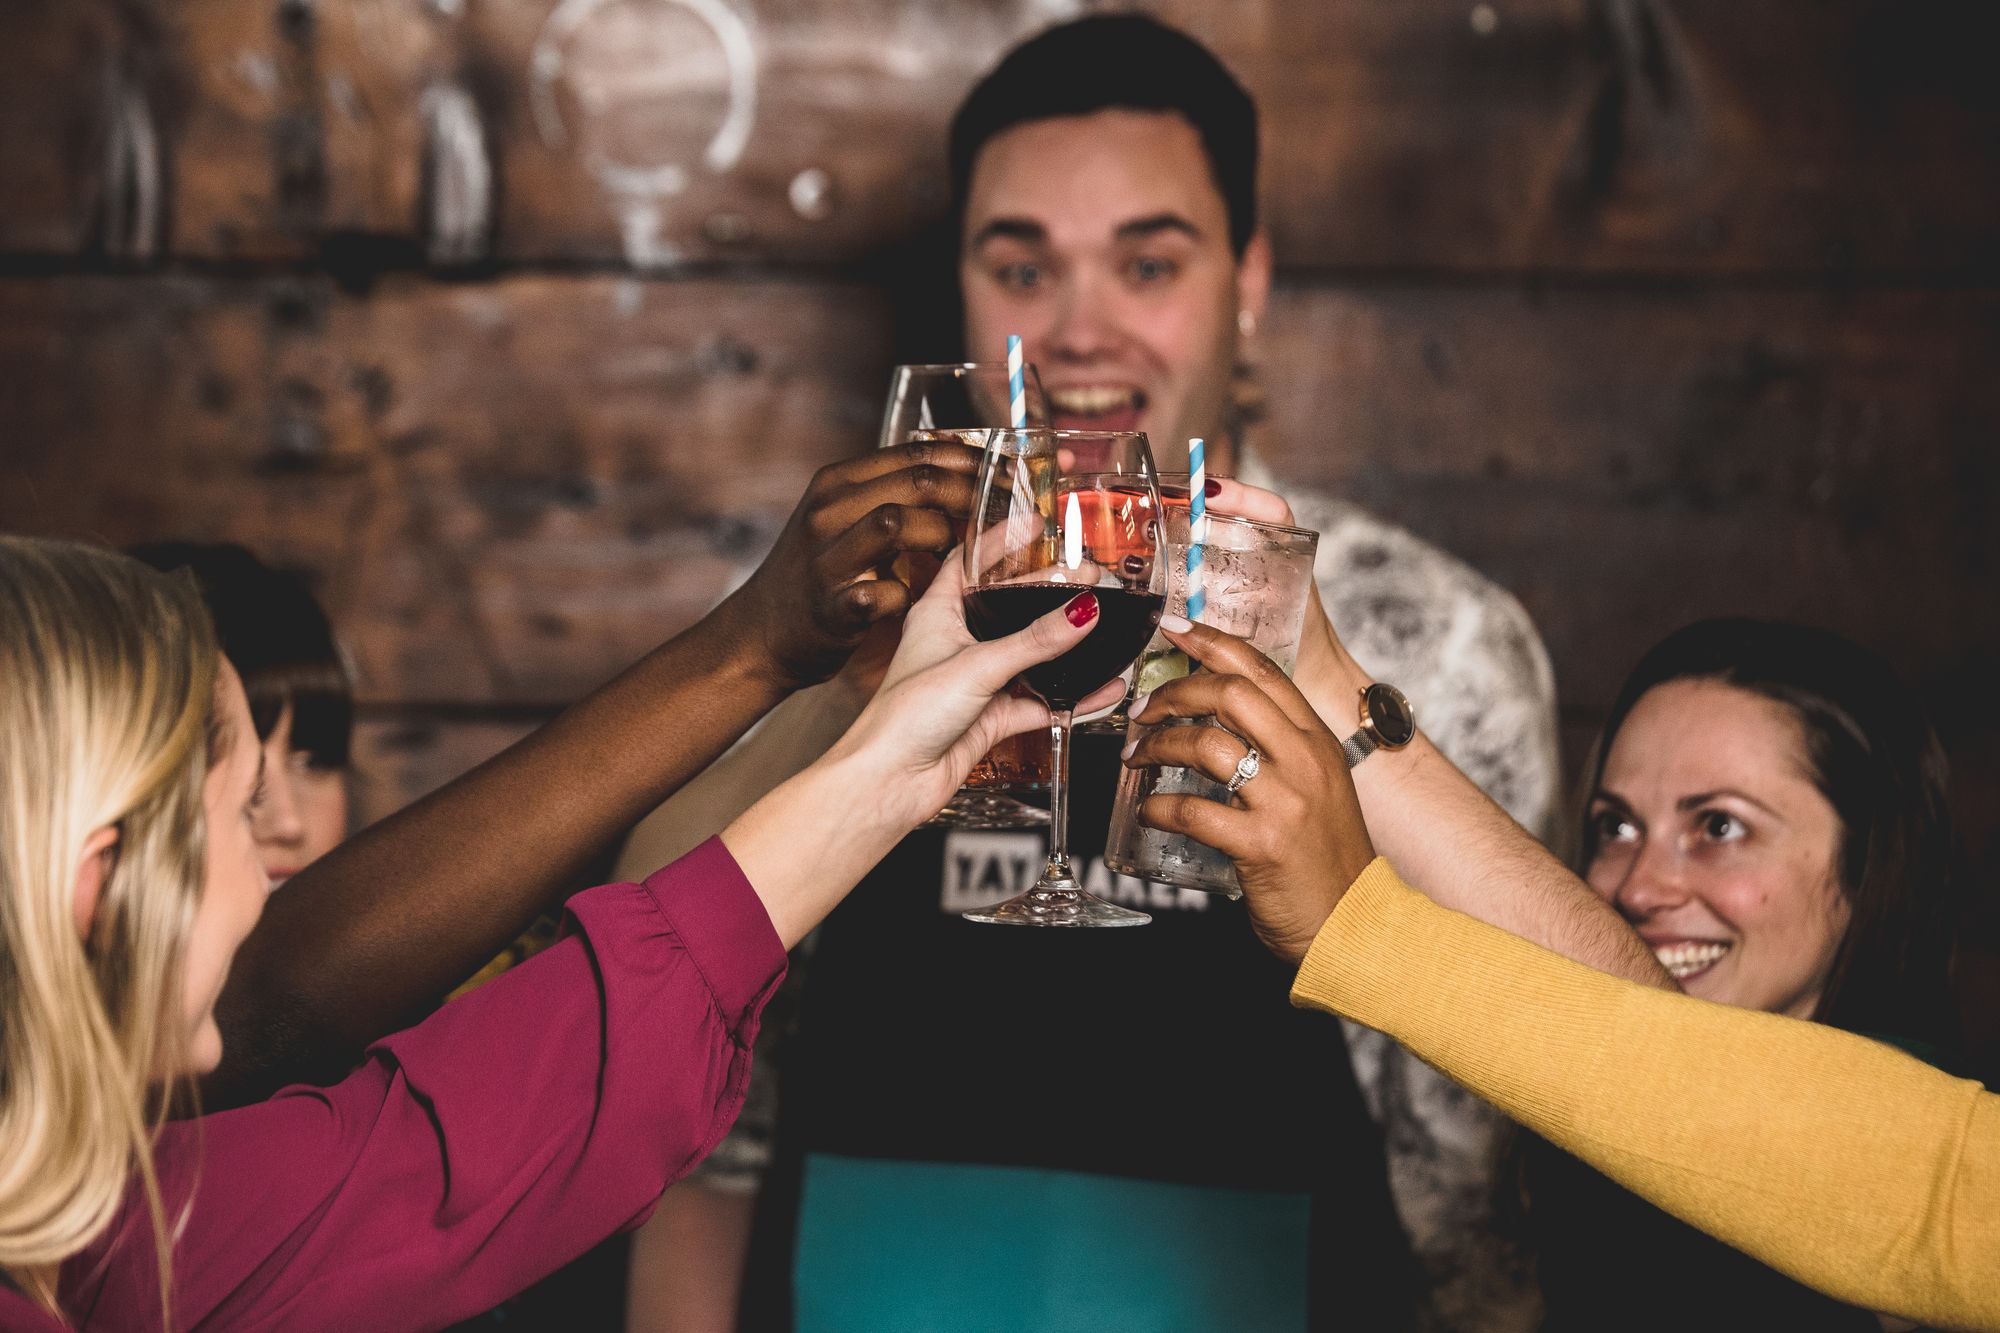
[
  {"x": 616, "y": 79},
  {"x": 132, "y": 216},
  {"x": 458, "y": 176}
]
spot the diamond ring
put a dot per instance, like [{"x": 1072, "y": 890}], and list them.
[{"x": 1246, "y": 769}]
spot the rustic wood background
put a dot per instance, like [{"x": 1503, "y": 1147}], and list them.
[{"x": 523, "y": 323}]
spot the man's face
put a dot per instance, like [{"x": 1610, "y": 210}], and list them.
[{"x": 1104, "y": 242}]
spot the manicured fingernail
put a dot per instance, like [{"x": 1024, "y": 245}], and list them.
[
  {"x": 1174, "y": 624},
  {"x": 1130, "y": 746},
  {"x": 1211, "y": 488},
  {"x": 1082, "y": 609},
  {"x": 1136, "y": 707}
]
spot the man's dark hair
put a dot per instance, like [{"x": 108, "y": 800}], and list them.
[
  {"x": 1125, "y": 62},
  {"x": 280, "y": 642}
]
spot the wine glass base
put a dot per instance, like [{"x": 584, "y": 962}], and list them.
[
  {"x": 1060, "y": 907},
  {"x": 989, "y": 810}
]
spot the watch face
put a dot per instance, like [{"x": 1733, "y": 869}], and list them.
[{"x": 1390, "y": 714}]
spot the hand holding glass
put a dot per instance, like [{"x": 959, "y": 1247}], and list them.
[
  {"x": 1059, "y": 512},
  {"x": 960, "y": 403},
  {"x": 1258, "y": 578}
]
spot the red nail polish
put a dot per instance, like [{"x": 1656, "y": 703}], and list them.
[
  {"x": 1082, "y": 609},
  {"x": 1211, "y": 488}
]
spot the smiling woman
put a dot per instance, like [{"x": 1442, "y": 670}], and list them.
[
  {"x": 1768, "y": 810},
  {"x": 103, "y": 871},
  {"x": 1710, "y": 833},
  {"x": 1777, "y": 790},
  {"x": 465, "y": 1157}
]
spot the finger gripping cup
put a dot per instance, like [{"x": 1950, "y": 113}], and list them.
[{"x": 1257, "y": 576}]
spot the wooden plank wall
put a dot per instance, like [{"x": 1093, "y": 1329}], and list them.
[{"x": 525, "y": 322}]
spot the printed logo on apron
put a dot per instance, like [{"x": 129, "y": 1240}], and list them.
[{"x": 981, "y": 869}]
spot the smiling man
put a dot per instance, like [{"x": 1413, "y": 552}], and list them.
[
  {"x": 1119, "y": 241},
  {"x": 1052, "y": 1150},
  {"x": 1106, "y": 174}
]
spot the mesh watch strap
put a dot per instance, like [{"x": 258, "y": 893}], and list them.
[{"x": 1357, "y": 747}]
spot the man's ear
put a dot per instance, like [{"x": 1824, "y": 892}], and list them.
[
  {"x": 100, "y": 853},
  {"x": 1253, "y": 279}
]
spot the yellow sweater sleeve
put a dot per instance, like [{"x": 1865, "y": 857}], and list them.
[{"x": 1846, "y": 1164}]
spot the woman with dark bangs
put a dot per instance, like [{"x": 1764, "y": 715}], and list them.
[{"x": 301, "y": 695}]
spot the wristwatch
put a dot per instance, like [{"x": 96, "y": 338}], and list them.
[{"x": 1387, "y": 723}]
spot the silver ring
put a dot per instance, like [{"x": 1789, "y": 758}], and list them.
[{"x": 1246, "y": 769}]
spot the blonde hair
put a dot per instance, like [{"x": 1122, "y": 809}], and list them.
[{"x": 107, "y": 686}]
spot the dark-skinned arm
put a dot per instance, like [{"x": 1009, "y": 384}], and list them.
[{"x": 367, "y": 939}]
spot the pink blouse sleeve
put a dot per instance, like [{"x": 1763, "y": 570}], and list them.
[{"x": 480, "y": 1150}]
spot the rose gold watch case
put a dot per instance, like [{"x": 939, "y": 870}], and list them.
[{"x": 1374, "y": 730}]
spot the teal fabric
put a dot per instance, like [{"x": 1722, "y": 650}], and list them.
[{"x": 933, "y": 1247}]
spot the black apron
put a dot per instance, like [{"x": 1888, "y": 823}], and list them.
[{"x": 1166, "y": 1052}]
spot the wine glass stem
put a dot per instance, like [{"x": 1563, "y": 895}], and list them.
[{"x": 1058, "y": 867}]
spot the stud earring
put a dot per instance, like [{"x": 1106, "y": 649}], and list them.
[{"x": 1246, "y": 323}]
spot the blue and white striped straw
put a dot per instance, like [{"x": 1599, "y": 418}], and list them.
[
  {"x": 1197, "y": 595},
  {"x": 1017, "y": 385}
]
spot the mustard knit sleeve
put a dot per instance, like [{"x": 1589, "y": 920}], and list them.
[{"x": 1841, "y": 1162}]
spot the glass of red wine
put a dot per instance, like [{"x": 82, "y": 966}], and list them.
[{"x": 1058, "y": 513}]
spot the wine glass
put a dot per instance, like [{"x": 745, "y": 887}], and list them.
[
  {"x": 958, "y": 402},
  {"x": 1173, "y": 496},
  {"x": 961, "y": 403},
  {"x": 1059, "y": 513}
]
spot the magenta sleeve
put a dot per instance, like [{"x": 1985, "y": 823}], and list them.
[{"x": 480, "y": 1150}]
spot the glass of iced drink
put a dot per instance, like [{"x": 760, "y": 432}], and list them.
[{"x": 1257, "y": 577}]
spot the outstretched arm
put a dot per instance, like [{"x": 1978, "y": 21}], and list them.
[
  {"x": 1843, "y": 1163},
  {"x": 798, "y": 731},
  {"x": 1449, "y": 839},
  {"x": 1441, "y": 832},
  {"x": 496, "y": 1140},
  {"x": 364, "y": 940}
]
